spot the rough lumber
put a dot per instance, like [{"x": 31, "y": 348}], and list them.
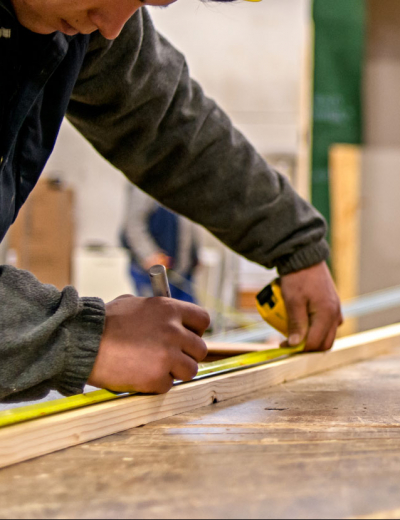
[
  {"x": 345, "y": 187},
  {"x": 42, "y": 436},
  {"x": 326, "y": 446}
]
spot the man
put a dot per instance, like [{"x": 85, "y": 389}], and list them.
[{"x": 128, "y": 92}]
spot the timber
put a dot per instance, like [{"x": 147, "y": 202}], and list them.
[
  {"x": 345, "y": 186},
  {"x": 327, "y": 446},
  {"x": 39, "y": 437}
]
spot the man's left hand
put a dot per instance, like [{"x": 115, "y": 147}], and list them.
[{"x": 313, "y": 307}]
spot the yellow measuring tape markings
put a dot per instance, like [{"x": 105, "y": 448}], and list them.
[{"x": 66, "y": 404}]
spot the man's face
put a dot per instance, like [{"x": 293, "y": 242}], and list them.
[{"x": 79, "y": 16}]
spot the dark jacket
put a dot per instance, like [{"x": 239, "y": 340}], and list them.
[
  {"x": 133, "y": 99},
  {"x": 48, "y": 339},
  {"x": 38, "y": 74}
]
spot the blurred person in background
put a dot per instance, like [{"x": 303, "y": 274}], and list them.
[{"x": 154, "y": 235}]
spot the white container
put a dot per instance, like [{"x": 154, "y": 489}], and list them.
[{"x": 102, "y": 272}]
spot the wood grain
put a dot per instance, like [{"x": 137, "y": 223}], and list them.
[
  {"x": 42, "y": 436},
  {"x": 326, "y": 446}
]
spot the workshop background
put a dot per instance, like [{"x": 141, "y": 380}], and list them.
[{"x": 315, "y": 87}]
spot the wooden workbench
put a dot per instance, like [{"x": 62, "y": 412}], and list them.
[{"x": 324, "y": 447}]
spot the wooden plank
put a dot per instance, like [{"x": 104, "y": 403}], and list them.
[
  {"x": 345, "y": 186},
  {"x": 42, "y": 436},
  {"x": 283, "y": 452}
]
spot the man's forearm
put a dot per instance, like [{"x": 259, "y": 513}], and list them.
[
  {"x": 49, "y": 339},
  {"x": 156, "y": 125}
]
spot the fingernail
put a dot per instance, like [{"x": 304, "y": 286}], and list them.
[{"x": 294, "y": 340}]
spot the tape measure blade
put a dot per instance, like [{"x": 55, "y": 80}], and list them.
[
  {"x": 66, "y": 404},
  {"x": 37, "y": 411}
]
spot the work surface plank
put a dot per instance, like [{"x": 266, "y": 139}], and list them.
[{"x": 324, "y": 447}]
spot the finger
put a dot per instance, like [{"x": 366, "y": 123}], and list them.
[
  {"x": 298, "y": 321},
  {"x": 194, "y": 347},
  {"x": 341, "y": 318},
  {"x": 321, "y": 324},
  {"x": 330, "y": 339},
  {"x": 164, "y": 385},
  {"x": 185, "y": 368},
  {"x": 195, "y": 318},
  {"x": 285, "y": 344}
]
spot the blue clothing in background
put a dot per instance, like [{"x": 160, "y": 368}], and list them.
[
  {"x": 163, "y": 226},
  {"x": 143, "y": 286}
]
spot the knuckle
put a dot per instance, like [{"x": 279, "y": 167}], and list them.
[
  {"x": 313, "y": 345},
  {"x": 194, "y": 371},
  {"x": 203, "y": 351},
  {"x": 158, "y": 380},
  {"x": 196, "y": 348},
  {"x": 163, "y": 362},
  {"x": 206, "y": 319},
  {"x": 295, "y": 325},
  {"x": 165, "y": 386},
  {"x": 190, "y": 371},
  {"x": 159, "y": 386},
  {"x": 166, "y": 306},
  {"x": 334, "y": 306},
  {"x": 172, "y": 329}
]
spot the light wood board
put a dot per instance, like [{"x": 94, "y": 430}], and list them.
[
  {"x": 345, "y": 187},
  {"x": 32, "y": 439}
]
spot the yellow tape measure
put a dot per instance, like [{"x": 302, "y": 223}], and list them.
[
  {"x": 272, "y": 308},
  {"x": 270, "y": 305},
  {"x": 40, "y": 410}
]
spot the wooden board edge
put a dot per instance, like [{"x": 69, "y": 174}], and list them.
[{"x": 43, "y": 436}]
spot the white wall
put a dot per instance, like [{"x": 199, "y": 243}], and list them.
[{"x": 249, "y": 57}]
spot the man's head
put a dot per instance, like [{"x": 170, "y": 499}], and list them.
[{"x": 80, "y": 16}]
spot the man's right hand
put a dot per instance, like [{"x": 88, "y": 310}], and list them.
[{"x": 149, "y": 342}]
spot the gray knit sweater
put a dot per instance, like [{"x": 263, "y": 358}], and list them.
[{"x": 136, "y": 104}]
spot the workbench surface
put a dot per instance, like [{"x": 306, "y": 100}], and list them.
[{"x": 324, "y": 447}]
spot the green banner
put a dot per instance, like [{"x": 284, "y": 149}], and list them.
[{"x": 339, "y": 56}]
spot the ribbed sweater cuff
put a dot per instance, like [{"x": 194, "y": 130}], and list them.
[
  {"x": 303, "y": 258},
  {"x": 84, "y": 333}
]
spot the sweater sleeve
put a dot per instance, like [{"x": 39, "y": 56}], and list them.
[
  {"x": 49, "y": 339},
  {"x": 135, "y": 102}
]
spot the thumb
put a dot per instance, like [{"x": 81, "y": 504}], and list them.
[{"x": 298, "y": 322}]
